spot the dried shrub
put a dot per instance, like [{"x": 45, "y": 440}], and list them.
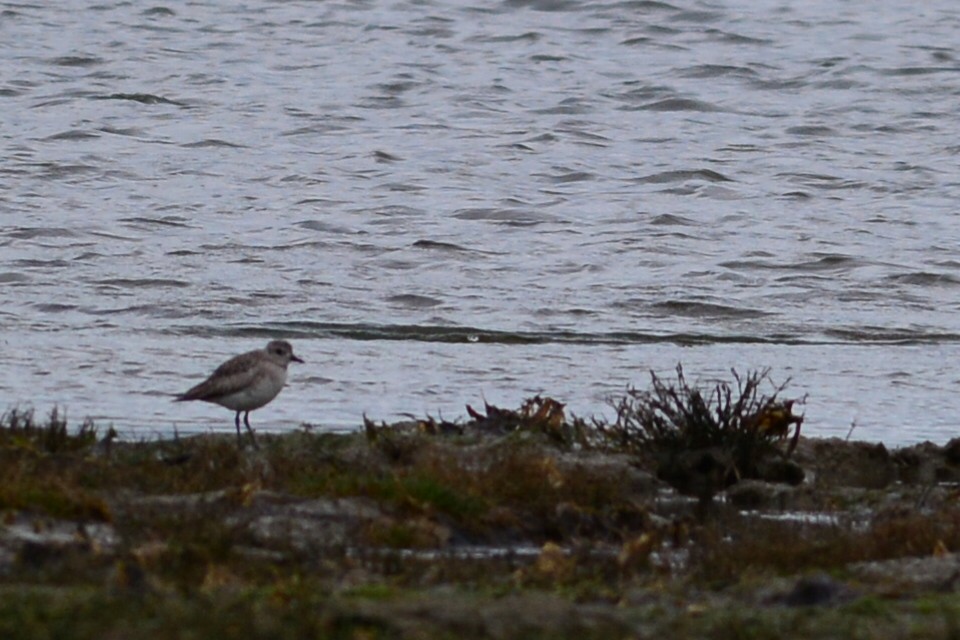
[{"x": 703, "y": 441}]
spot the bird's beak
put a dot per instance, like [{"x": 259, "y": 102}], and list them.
[{"x": 295, "y": 359}]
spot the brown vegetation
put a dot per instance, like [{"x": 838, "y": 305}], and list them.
[{"x": 511, "y": 524}]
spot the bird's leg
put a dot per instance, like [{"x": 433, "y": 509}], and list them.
[
  {"x": 237, "y": 422},
  {"x": 246, "y": 421}
]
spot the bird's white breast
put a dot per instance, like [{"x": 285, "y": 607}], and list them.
[{"x": 261, "y": 389}]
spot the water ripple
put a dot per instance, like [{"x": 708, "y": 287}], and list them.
[{"x": 520, "y": 197}]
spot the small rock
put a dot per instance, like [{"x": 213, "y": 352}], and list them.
[
  {"x": 757, "y": 494},
  {"x": 816, "y": 591},
  {"x": 862, "y": 465}
]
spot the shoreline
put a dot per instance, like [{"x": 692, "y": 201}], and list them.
[{"x": 433, "y": 529}]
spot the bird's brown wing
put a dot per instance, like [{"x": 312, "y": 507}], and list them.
[{"x": 233, "y": 375}]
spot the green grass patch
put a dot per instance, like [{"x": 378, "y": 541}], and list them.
[{"x": 21, "y": 430}]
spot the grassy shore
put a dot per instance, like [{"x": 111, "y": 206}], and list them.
[{"x": 514, "y": 524}]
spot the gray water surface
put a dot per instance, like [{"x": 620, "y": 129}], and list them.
[{"x": 442, "y": 202}]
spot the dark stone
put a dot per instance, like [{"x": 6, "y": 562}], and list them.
[
  {"x": 779, "y": 470},
  {"x": 923, "y": 463},
  {"x": 37, "y": 554},
  {"x": 816, "y": 591},
  {"x": 756, "y": 494},
  {"x": 862, "y": 465},
  {"x": 951, "y": 452},
  {"x": 701, "y": 473}
]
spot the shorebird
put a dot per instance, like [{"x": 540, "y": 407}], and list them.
[{"x": 246, "y": 382}]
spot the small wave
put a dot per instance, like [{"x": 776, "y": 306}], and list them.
[
  {"x": 647, "y": 5},
  {"x": 140, "y": 283},
  {"x": 568, "y": 107},
  {"x": 73, "y": 134},
  {"x": 573, "y": 176},
  {"x": 822, "y": 263},
  {"x": 885, "y": 335},
  {"x": 698, "y": 16},
  {"x": 56, "y": 263},
  {"x": 822, "y": 181},
  {"x": 29, "y": 233},
  {"x": 529, "y": 36},
  {"x": 143, "y": 98},
  {"x": 76, "y": 61},
  {"x": 513, "y": 217},
  {"x": 717, "y": 71},
  {"x": 543, "y": 5},
  {"x": 916, "y": 71},
  {"x": 925, "y": 279},
  {"x": 212, "y": 142},
  {"x": 670, "y": 219},
  {"x": 811, "y": 130},
  {"x": 325, "y": 227},
  {"x": 167, "y": 221},
  {"x": 681, "y": 104},
  {"x": 130, "y": 132},
  {"x": 734, "y": 38},
  {"x": 55, "y": 171},
  {"x": 440, "y": 246},
  {"x": 705, "y": 310},
  {"x": 682, "y": 176},
  {"x": 397, "y": 211},
  {"x": 53, "y": 307},
  {"x": 829, "y": 261},
  {"x": 384, "y": 157},
  {"x": 543, "y": 57},
  {"x": 414, "y": 301}
]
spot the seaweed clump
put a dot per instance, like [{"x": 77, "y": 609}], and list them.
[
  {"x": 703, "y": 441},
  {"x": 538, "y": 416}
]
